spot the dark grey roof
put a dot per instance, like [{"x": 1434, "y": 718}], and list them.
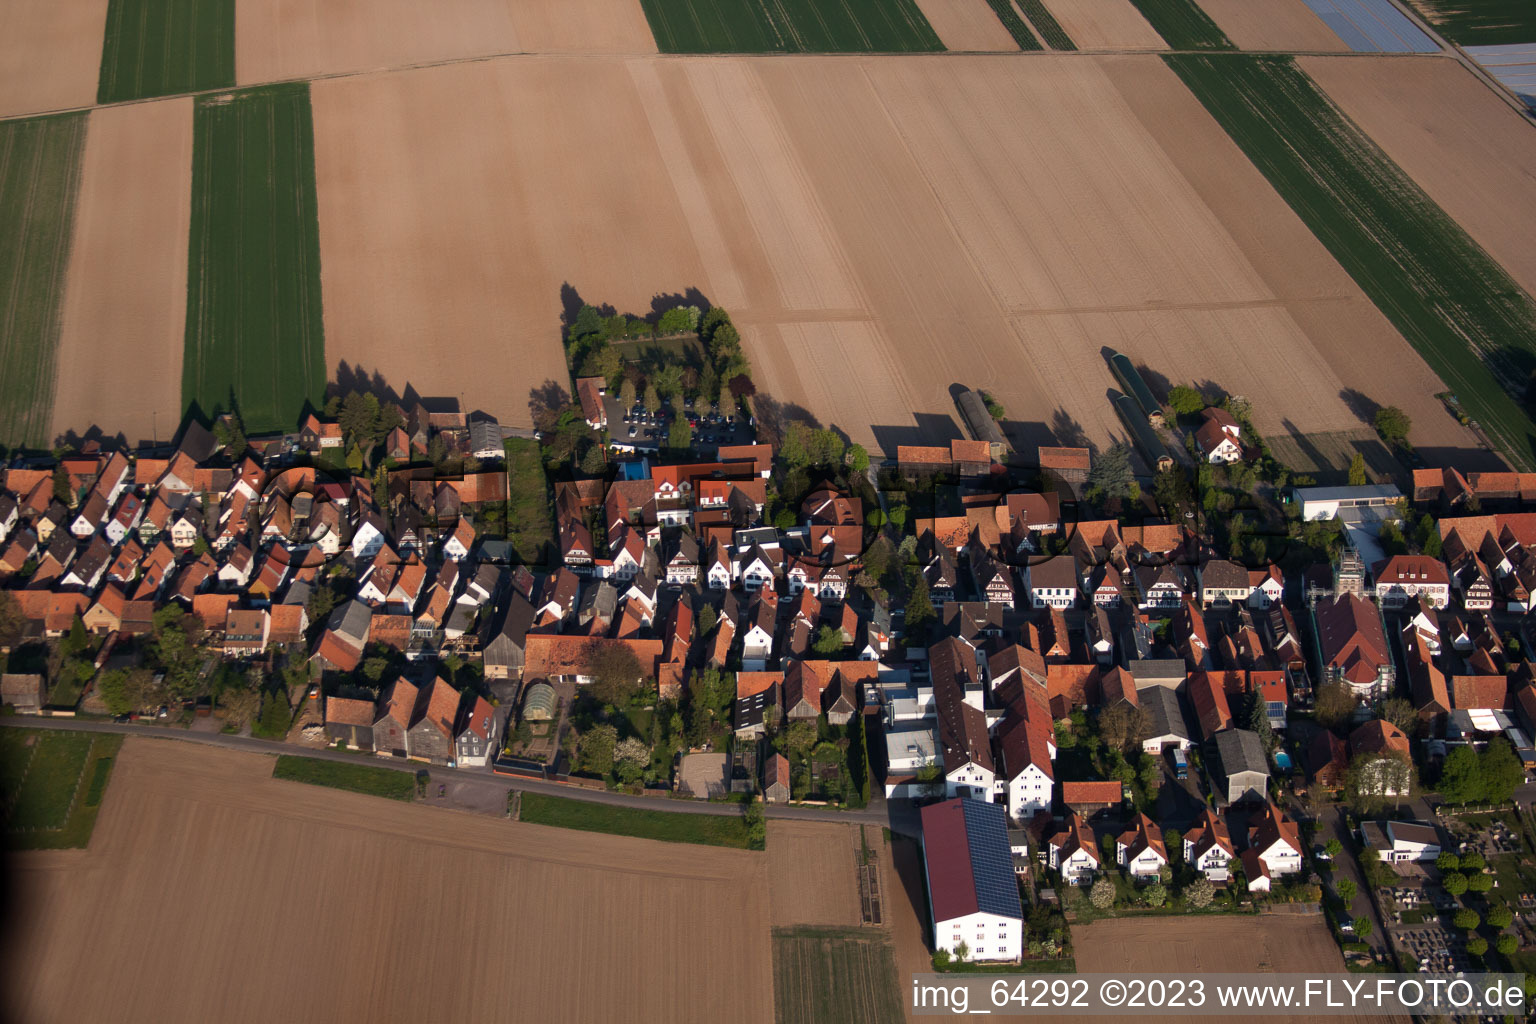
[
  {"x": 1145, "y": 669},
  {"x": 1240, "y": 750},
  {"x": 1164, "y": 715}
]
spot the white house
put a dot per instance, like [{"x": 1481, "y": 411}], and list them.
[
  {"x": 1355, "y": 505},
  {"x": 1404, "y": 576},
  {"x": 1268, "y": 587},
  {"x": 1401, "y": 842},
  {"x": 973, "y": 896},
  {"x": 368, "y": 538},
  {"x": 1208, "y": 848},
  {"x": 1219, "y": 437},
  {"x": 1072, "y": 852},
  {"x": 910, "y": 747},
  {"x": 1053, "y": 583},
  {"x": 460, "y": 541},
  {"x": 1276, "y": 842},
  {"x": 1140, "y": 850},
  {"x": 1025, "y": 738}
]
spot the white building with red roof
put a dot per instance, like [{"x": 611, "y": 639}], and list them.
[{"x": 973, "y": 895}]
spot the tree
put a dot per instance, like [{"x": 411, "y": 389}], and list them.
[
  {"x": 1467, "y": 919},
  {"x": 680, "y": 435},
  {"x": 1102, "y": 895},
  {"x": 669, "y": 380},
  {"x": 829, "y": 641},
  {"x": 1171, "y": 489},
  {"x": 800, "y": 739},
  {"x": 1500, "y": 917},
  {"x": 1107, "y": 844},
  {"x": 1472, "y": 861},
  {"x": 615, "y": 670},
  {"x": 125, "y": 691},
  {"x": 1185, "y": 400},
  {"x": 627, "y": 394},
  {"x": 1461, "y": 777},
  {"x": 276, "y": 716},
  {"x": 239, "y": 706},
  {"x": 1506, "y": 945},
  {"x": 1109, "y": 476},
  {"x": 1155, "y": 895},
  {"x": 1399, "y": 711},
  {"x": 1334, "y": 705},
  {"x": 630, "y": 759},
  {"x": 1357, "y": 470},
  {"x": 741, "y": 386},
  {"x": 707, "y": 619},
  {"x": 595, "y": 749},
  {"x": 677, "y": 320},
  {"x": 1393, "y": 424},
  {"x": 757, "y": 826},
  {"x": 1501, "y": 771},
  {"x": 1363, "y": 928},
  {"x": 1454, "y": 883},
  {"x": 1480, "y": 882},
  {"x": 13, "y": 621},
  {"x": 652, "y": 398},
  {"x": 1346, "y": 890},
  {"x": 62, "y": 490},
  {"x": 1122, "y": 726},
  {"x": 1447, "y": 861},
  {"x": 1333, "y": 847},
  {"x": 594, "y": 461},
  {"x": 961, "y": 951},
  {"x": 1477, "y": 945},
  {"x": 1200, "y": 892},
  {"x": 919, "y": 607},
  {"x": 856, "y": 458}
]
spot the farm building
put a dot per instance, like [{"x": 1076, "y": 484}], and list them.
[
  {"x": 1064, "y": 465},
  {"x": 973, "y": 409},
  {"x": 1146, "y": 438},
  {"x": 1130, "y": 379},
  {"x": 1354, "y": 505},
  {"x": 972, "y": 893}
]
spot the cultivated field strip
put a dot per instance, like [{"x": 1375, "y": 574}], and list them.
[
  {"x": 1481, "y": 22},
  {"x": 789, "y": 26},
  {"x": 1049, "y": 28},
  {"x": 1009, "y": 16},
  {"x": 39, "y": 180},
  {"x": 50, "y": 54},
  {"x": 1107, "y": 25},
  {"x": 166, "y": 47},
  {"x": 1183, "y": 24},
  {"x": 254, "y": 335},
  {"x": 1436, "y": 285},
  {"x": 1283, "y": 25},
  {"x": 967, "y": 26},
  {"x": 834, "y": 974}
]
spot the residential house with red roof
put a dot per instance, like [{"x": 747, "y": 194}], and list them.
[
  {"x": 1072, "y": 851},
  {"x": 1354, "y": 645},
  {"x": 1140, "y": 850}
]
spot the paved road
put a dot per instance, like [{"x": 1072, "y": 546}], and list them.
[{"x": 899, "y": 817}]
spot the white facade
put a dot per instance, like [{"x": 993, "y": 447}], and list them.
[
  {"x": 1077, "y": 868},
  {"x": 973, "y": 781},
  {"x": 986, "y": 936},
  {"x": 1281, "y": 859},
  {"x": 1053, "y": 597},
  {"x": 1214, "y": 863},
  {"x": 1144, "y": 865},
  {"x": 1028, "y": 793}
]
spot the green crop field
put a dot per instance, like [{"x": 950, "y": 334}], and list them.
[
  {"x": 666, "y": 826},
  {"x": 165, "y": 47},
  {"x": 370, "y": 779},
  {"x": 1015, "y": 25},
  {"x": 789, "y": 26},
  {"x": 53, "y": 784},
  {"x": 1448, "y": 297},
  {"x": 825, "y": 974},
  {"x": 1183, "y": 25},
  {"x": 254, "y": 328},
  {"x": 39, "y": 179},
  {"x": 1046, "y": 24},
  {"x": 1481, "y": 22}
]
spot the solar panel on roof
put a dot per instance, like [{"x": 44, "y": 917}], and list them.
[{"x": 986, "y": 832}]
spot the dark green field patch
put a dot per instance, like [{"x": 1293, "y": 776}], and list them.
[
  {"x": 789, "y": 26},
  {"x": 39, "y": 180},
  {"x": 1471, "y": 322},
  {"x": 54, "y": 785},
  {"x": 1183, "y": 25},
  {"x": 369, "y": 779},
  {"x": 255, "y": 335},
  {"x": 665, "y": 826},
  {"x": 834, "y": 974},
  {"x": 1015, "y": 25},
  {"x": 1046, "y": 24},
  {"x": 1481, "y": 22},
  {"x": 165, "y": 47}
]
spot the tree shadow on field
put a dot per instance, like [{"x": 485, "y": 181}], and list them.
[
  {"x": 570, "y": 305},
  {"x": 1067, "y": 432},
  {"x": 97, "y": 439},
  {"x": 1362, "y": 405},
  {"x": 546, "y": 402},
  {"x": 357, "y": 378},
  {"x": 688, "y": 297},
  {"x": 774, "y": 417},
  {"x": 1157, "y": 382},
  {"x": 930, "y": 429}
]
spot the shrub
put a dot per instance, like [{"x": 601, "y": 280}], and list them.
[
  {"x": 1466, "y": 919},
  {"x": 1333, "y": 847},
  {"x": 1155, "y": 895},
  {"x": 1455, "y": 884},
  {"x": 1479, "y": 883},
  {"x": 1363, "y": 928},
  {"x": 1102, "y": 895},
  {"x": 1199, "y": 892},
  {"x": 1447, "y": 862},
  {"x": 1185, "y": 400}
]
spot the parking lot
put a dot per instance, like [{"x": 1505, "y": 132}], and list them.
[{"x": 635, "y": 428}]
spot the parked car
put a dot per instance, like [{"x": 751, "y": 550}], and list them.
[
  {"x": 631, "y": 431},
  {"x": 1319, "y": 853}
]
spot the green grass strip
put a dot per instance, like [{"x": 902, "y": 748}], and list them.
[
  {"x": 1471, "y": 322},
  {"x": 1481, "y": 22},
  {"x": 101, "y": 771},
  {"x": 789, "y": 26},
  {"x": 255, "y": 336},
  {"x": 1183, "y": 25},
  {"x": 49, "y": 788},
  {"x": 368, "y": 779},
  {"x": 39, "y": 180},
  {"x": 530, "y": 524},
  {"x": 1046, "y": 24},
  {"x": 1015, "y": 25},
  {"x": 166, "y": 47},
  {"x": 666, "y": 826}
]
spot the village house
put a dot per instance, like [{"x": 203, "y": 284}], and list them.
[
  {"x": 1208, "y": 848},
  {"x": 1072, "y": 852},
  {"x": 1140, "y": 850}
]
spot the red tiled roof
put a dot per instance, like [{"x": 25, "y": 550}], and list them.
[
  {"x": 1092, "y": 793},
  {"x": 1378, "y": 737},
  {"x": 346, "y": 711},
  {"x": 1064, "y": 458},
  {"x": 1485, "y": 692}
]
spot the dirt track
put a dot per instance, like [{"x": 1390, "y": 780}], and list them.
[
  {"x": 211, "y": 891},
  {"x": 127, "y": 283},
  {"x": 50, "y": 54},
  {"x": 1459, "y": 142},
  {"x": 1106, "y": 25},
  {"x": 1273, "y": 25}
]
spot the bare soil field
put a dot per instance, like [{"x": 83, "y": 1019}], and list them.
[
  {"x": 967, "y": 25},
  {"x": 127, "y": 278},
  {"x": 1106, "y": 25},
  {"x": 811, "y": 873},
  {"x": 282, "y": 39},
  {"x": 1469, "y": 150},
  {"x": 249, "y": 898},
  {"x": 1051, "y": 207},
  {"x": 50, "y": 54},
  {"x": 1273, "y": 25}
]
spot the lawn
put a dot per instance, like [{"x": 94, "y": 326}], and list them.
[
  {"x": 54, "y": 783},
  {"x": 255, "y": 337},
  {"x": 1183, "y": 25},
  {"x": 368, "y": 779},
  {"x": 789, "y": 26},
  {"x": 834, "y": 974},
  {"x": 1436, "y": 285},
  {"x": 1481, "y": 22},
  {"x": 165, "y": 47},
  {"x": 39, "y": 178},
  {"x": 530, "y": 525},
  {"x": 666, "y": 826}
]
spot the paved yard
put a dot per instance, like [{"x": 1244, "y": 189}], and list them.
[{"x": 703, "y": 775}]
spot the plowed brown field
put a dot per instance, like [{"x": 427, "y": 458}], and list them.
[
  {"x": 282, "y": 39},
  {"x": 1106, "y": 25},
  {"x": 1273, "y": 25},
  {"x": 1469, "y": 150},
  {"x": 1048, "y": 208},
  {"x": 127, "y": 286},
  {"x": 967, "y": 25},
  {"x": 211, "y": 891},
  {"x": 812, "y": 878},
  {"x": 50, "y": 54}
]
